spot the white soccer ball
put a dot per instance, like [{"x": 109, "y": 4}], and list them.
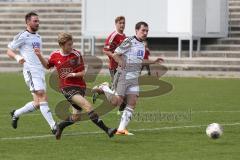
[{"x": 214, "y": 130}]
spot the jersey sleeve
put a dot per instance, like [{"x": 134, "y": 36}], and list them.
[
  {"x": 124, "y": 46},
  {"x": 17, "y": 42},
  {"x": 81, "y": 66},
  {"x": 41, "y": 44},
  {"x": 110, "y": 43},
  {"x": 106, "y": 46}
]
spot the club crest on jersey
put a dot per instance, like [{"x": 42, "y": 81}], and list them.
[{"x": 74, "y": 61}]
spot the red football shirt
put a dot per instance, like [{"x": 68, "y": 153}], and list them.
[
  {"x": 70, "y": 63},
  {"x": 147, "y": 53},
  {"x": 111, "y": 43}
]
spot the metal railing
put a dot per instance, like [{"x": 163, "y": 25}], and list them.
[
  {"x": 229, "y": 20},
  {"x": 88, "y": 45}
]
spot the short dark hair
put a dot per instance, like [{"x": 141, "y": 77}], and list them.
[
  {"x": 139, "y": 24},
  {"x": 119, "y": 18},
  {"x": 29, "y": 15}
]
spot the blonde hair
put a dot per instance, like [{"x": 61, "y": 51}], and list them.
[
  {"x": 63, "y": 38},
  {"x": 119, "y": 18}
]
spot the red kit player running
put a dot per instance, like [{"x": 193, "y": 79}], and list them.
[{"x": 70, "y": 67}]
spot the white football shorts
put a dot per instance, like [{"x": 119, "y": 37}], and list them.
[{"x": 35, "y": 80}]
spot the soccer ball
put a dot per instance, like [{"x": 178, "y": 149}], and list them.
[{"x": 214, "y": 130}]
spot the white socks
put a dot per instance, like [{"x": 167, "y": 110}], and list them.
[
  {"x": 108, "y": 92},
  {"x": 126, "y": 117},
  {"x": 47, "y": 114},
  {"x": 106, "y": 88},
  {"x": 29, "y": 107}
]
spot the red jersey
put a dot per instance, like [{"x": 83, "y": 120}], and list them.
[
  {"x": 65, "y": 64},
  {"x": 111, "y": 43},
  {"x": 147, "y": 53}
]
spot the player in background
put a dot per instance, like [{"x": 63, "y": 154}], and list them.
[
  {"x": 33, "y": 71},
  {"x": 111, "y": 43},
  {"x": 70, "y": 67},
  {"x": 146, "y": 57},
  {"x": 129, "y": 56}
]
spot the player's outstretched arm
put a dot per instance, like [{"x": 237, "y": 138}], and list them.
[
  {"x": 157, "y": 60},
  {"x": 13, "y": 55},
  {"x": 41, "y": 58}
]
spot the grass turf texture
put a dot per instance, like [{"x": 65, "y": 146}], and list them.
[{"x": 208, "y": 100}]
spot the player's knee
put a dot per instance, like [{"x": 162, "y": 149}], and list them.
[
  {"x": 88, "y": 107},
  {"x": 76, "y": 117},
  {"x": 132, "y": 102},
  {"x": 41, "y": 95},
  {"x": 36, "y": 104},
  {"x": 117, "y": 101},
  {"x": 114, "y": 102}
]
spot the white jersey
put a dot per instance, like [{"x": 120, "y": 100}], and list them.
[
  {"x": 25, "y": 42},
  {"x": 133, "y": 52}
]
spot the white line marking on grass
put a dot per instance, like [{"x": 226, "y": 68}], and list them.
[
  {"x": 98, "y": 132},
  {"x": 215, "y": 111}
]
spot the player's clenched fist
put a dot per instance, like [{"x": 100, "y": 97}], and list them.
[
  {"x": 19, "y": 59},
  {"x": 71, "y": 75}
]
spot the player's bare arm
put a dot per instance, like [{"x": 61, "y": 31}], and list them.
[
  {"x": 76, "y": 75},
  {"x": 118, "y": 59},
  {"x": 15, "y": 56},
  {"x": 157, "y": 60},
  {"x": 41, "y": 58},
  {"x": 108, "y": 53}
]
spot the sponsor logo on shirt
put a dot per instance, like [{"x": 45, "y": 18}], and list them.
[
  {"x": 64, "y": 72},
  {"x": 140, "y": 53},
  {"x": 36, "y": 45}
]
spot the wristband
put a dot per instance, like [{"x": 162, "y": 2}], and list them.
[{"x": 18, "y": 58}]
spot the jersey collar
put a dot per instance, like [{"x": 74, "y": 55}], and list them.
[
  {"x": 30, "y": 32},
  {"x": 119, "y": 33},
  {"x": 138, "y": 39},
  {"x": 65, "y": 54}
]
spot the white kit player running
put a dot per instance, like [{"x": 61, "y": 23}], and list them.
[
  {"x": 129, "y": 56},
  {"x": 33, "y": 70}
]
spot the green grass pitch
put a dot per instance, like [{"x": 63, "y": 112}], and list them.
[{"x": 201, "y": 100}]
